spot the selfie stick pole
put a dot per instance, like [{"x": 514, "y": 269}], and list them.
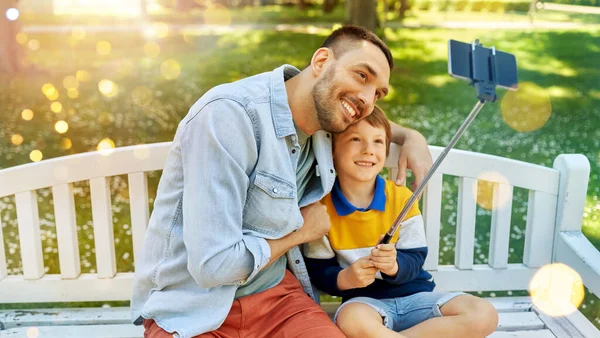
[{"x": 415, "y": 196}]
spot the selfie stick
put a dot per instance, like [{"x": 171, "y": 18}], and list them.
[{"x": 484, "y": 75}]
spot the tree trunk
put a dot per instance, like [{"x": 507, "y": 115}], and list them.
[
  {"x": 302, "y": 5},
  {"x": 11, "y": 53},
  {"x": 362, "y": 13},
  {"x": 404, "y": 7},
  {"x": 329, "y": 5}
]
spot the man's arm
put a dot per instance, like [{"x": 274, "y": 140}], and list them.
[
  {"x": 414, "y": 153},
  {"x": 218, "y": 153}
]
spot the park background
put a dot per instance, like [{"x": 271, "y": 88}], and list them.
[{"x": 86, "y": 75}]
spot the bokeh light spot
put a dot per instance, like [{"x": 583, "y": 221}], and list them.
[
  {"x": 83, "y": 76},
  {"x": 556, "y": 289},
  {"x": 483, "y": 190},
  {"x": 526, "y": 109},
  {"x": 65, "y": 143},
  {"x": 56, "y": 107},
  {"x": 33, "y": 44},
  {"x": 103, "y": 47},
  {"x": 72, "y": 93},
  {"x": 61, "y": 127},
  {"x": 16, "y": 139},
  {"x": 36, "y": 156},
  {"x": 27, "y": 114},
  {"x": 12, "y": 14},
  {"x": 108, "y": 88},
  {"x": 161, "y": 29},
  {"x": 33, "y": 332},
  {"x": 70, "y": 82},
  {"x": 21, "y": 38},
  {"x": 106, "y": 146},
  {"x": 170, "y": 69},
  {"x": 142, "y": 96},
  {"x": 152, "y": 49}
]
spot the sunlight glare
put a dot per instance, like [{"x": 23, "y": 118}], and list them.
[
  {"x": 72, "y": 93},
  {"x": 170, "y": 69},
  {"x": 83, "y": 76},
  {"x": 27, "y": 114},
  {"x": 61, "y": 127},
  {"x": 556, "y": 289},
  {"x": 217, "y": 15},
  {"x": 36, "y": 156},
  {"x": 33, "y": 332},
  {"x": 526, "y": 109},
  {"x": 33, "y": 44}
]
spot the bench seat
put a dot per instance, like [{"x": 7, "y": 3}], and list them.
[{"x": 518, "y": 318}]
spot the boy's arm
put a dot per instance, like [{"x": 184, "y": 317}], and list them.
[{"x": 323, "y": 267}]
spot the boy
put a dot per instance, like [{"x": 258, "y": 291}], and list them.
[{"x": 384, "y": 289}]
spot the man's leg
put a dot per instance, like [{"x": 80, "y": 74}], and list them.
[
  {"x": 285, "y": 311},
  {"x": 361, "y": 320},
  {"x": 462, "y": 316}
]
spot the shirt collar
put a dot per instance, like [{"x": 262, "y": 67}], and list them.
[
  {"x": 280, "y": 107},
  {"x": 344, "y": 208}
]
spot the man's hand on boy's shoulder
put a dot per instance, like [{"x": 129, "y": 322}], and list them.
[
  {"x": 383, "y": 257},
  {"x": 359, "y": 274}
]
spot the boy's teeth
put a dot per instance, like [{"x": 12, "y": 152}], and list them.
[
  {"x": 349, "y": 108},
  {"x": 366, "y": 164}
]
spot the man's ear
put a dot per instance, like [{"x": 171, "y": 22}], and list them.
[{"x": 319, "y": 60}]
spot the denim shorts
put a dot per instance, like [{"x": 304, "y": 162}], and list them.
[{"x": 405, "y": 312}]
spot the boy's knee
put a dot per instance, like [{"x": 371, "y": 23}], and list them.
[
  {"x": 356, "y": 320},
  {"x": 484, "y": 317}
]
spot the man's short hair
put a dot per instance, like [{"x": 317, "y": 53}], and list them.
[{"x": 341, "y": 40}]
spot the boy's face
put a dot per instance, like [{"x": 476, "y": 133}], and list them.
[
  {"x": 347, "y": 90},
  {"x": 359, "y": 152}
]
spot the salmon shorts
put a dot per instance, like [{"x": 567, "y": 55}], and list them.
[{"x": 282, "y": 311}]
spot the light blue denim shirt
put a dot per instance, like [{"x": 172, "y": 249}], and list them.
[{"x": 228, "y": 184}]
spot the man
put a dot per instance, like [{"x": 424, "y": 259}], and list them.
[{"x": 240, "y": 188}]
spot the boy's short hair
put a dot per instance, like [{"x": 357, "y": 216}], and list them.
[
  {"x": 346, "y": 38},
  {"x": 378, "y": 119}
]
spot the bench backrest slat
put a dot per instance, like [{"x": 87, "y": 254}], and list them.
[
  {"x": 138, "y": 197},
  {"x": 432, "y": 215},
  {"x": 66, "y": 230},
  {"x": 137, "y": 161},
  {"x": 541, "y": 217},
  {"x": 465, "y": 224},
  {"x": 29, "y": 234},
  {"x": 3, "y": 265},
  {"x": 500, "y": 227},
  {"x": 103, "y": 227}
]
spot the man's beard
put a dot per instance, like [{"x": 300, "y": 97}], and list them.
[{"x": 326, "y": 105}]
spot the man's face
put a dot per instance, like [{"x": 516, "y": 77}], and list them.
[{"x": 348, "y": 88}]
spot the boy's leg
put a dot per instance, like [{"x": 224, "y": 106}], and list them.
[
  {"x": 461, "y": 316},
  {"x": 361, "y": 320}
]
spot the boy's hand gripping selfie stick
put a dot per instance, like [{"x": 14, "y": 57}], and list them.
[{"x": 486, "y": 68}]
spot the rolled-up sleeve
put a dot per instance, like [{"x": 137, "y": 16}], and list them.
[{"x": 219, "y": 152}]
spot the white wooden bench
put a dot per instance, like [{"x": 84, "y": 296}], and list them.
[{"x": 553, "y": 234}]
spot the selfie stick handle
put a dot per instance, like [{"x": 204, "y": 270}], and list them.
[{"x": 415, "y": 196}]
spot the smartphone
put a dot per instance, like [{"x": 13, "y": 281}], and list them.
[{"x": 473, "y": 62}]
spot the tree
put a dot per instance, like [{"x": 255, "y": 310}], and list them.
[
  {"x": 362, "y": 13},
  {"x": 329, "y": 5},
  {"x": 11, "y": 53}
]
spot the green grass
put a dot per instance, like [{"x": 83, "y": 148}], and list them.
[{"x": 424, "y": 97}]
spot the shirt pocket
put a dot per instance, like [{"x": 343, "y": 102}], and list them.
[{"x": 270, "y": 204}]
